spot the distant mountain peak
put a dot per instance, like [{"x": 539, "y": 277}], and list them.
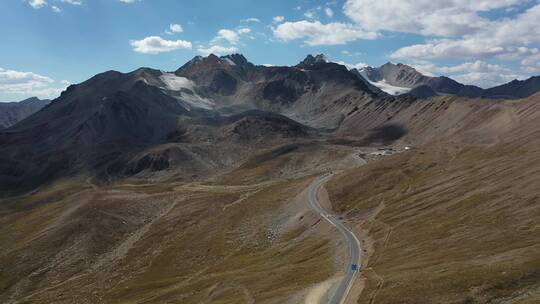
[
  {"x": 312, "y": 60},
  {"x": 213, "y": 60},
  {"x": 236, "y": 59},
  {"x": 30, "y": 100},
  {"x": 13, "y": 112}
]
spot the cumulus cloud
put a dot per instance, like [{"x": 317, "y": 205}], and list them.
[
  {"x": 351, "y": 66},
  {"x": 156, "y": 45},
  {"x": 466, "y": 48},
  {"x": 426, "y": 17},
  {"x": 329, "y": 12},
  {"x": 175, "y": 28},
  {"x": 479, "y": 73},
  {"x": 310, "y": 14},
  {"x": 278, "y": 19},
  {"x": 28, "y": 84},
  {"x": 486, "y": 80},
  {"x": 217, "y": 50},
  {"x": 231, "y": 36},
  {"x": 476, "y": 66},
  {"x": 36, "y": 4},
  {"x": 531, "y": 63},
  {"x": 56, "y": 9},
  {"x": 505, "y": 39},
  {"x": 316, "y": 33}
]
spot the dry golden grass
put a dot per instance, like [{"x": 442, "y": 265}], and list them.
[
  {"x": 450, "y": 223},
  {"x": 131, "y": 245},
  {"x": 455, "y": 226}
]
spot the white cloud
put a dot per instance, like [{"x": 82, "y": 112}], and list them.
[
  {"x": 486, "y": 80},
  {"x": 476, "y": 66},
  {"x": 316, "y": 33},
  {"x": 448, "y": 18},
  {"x": 310, "y": 14},
  {"x": 228, "y": 35},
  {"x": 278, "y": 19},
  {"x": 156, "y": 45},
  {"x": 231, "y": 36},
  {"x": 351, "y": 66},
  {"x": 36, "y": 4},
  {"x": 531, "y": 64},
  {"x": 477, "y": 73},
  {"x": 175, "y": 28},
  {"x": 252, "y": 19},
  {"x": 329, "y": 12},
  {"x": 351, "y": 54},
  {"x": 505, "y": 39},
  {"x": 28, "y": 84},
  {"x": 129, "y": 1},
  {"x": 217, "y": 50},
  {"x": 468, "y": 48},
  {"x": 244, "y": 30},
  {"x": 73, "y": 2}
]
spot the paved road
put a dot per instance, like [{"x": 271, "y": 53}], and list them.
[{"x": 354, "y": 245}]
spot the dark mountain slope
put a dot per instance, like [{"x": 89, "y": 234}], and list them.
[
  {"x": 304, "y": 92},
  {"x": 515, "y": 88},
  {"x": 116, "y": 125}
]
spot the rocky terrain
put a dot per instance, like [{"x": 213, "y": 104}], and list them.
[
  {"x": 189, "y": 187},
  {"x": 397, "y": 79},
  {"x": 13, "y": 112}
]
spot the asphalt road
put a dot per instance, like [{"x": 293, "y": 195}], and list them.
[{"x": 354, "y": 245}]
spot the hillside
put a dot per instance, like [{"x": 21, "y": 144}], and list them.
[
  {"x": 452, "y": 221},
  {"x": 13, "y": 112},
  {"x": 191, "y": 187}
]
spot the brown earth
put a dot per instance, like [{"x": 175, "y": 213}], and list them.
[
  {"x": 451, "y": 221},
  {"x": 454, "y": 220}
]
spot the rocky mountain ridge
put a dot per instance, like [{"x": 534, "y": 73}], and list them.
[
  {"x": 208, "y": 115},
  {"x": 397, "y": 79},
  {"x": 13, "y": 112}
]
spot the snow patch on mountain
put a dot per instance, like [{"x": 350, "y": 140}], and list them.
[
  {"x": 176, "y": 83},
  {"x": 370, "y": 76},
  {"x": 183, "y": 89},
  {"x": 228, "y": 61},
  {"x": 388, "y": 88}
]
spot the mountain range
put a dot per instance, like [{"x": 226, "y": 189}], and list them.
[
  {"x": 13, "y": 112},
  {"x": 192, "y": 186},
  {"x": 396, "y": 79},
  {"x": 116, "y": 124}
]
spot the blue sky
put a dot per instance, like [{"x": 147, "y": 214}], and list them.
[{"x": 48, "y": 44}]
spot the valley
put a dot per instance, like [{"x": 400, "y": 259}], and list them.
[{"x": 229, "y": 182}]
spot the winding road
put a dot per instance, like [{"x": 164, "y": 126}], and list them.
[{"x": 354, "y": 245}]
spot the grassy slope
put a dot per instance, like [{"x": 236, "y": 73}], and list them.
[
  {"x": 159, "y": 244},
  {"x": 454, "y": 225}
]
